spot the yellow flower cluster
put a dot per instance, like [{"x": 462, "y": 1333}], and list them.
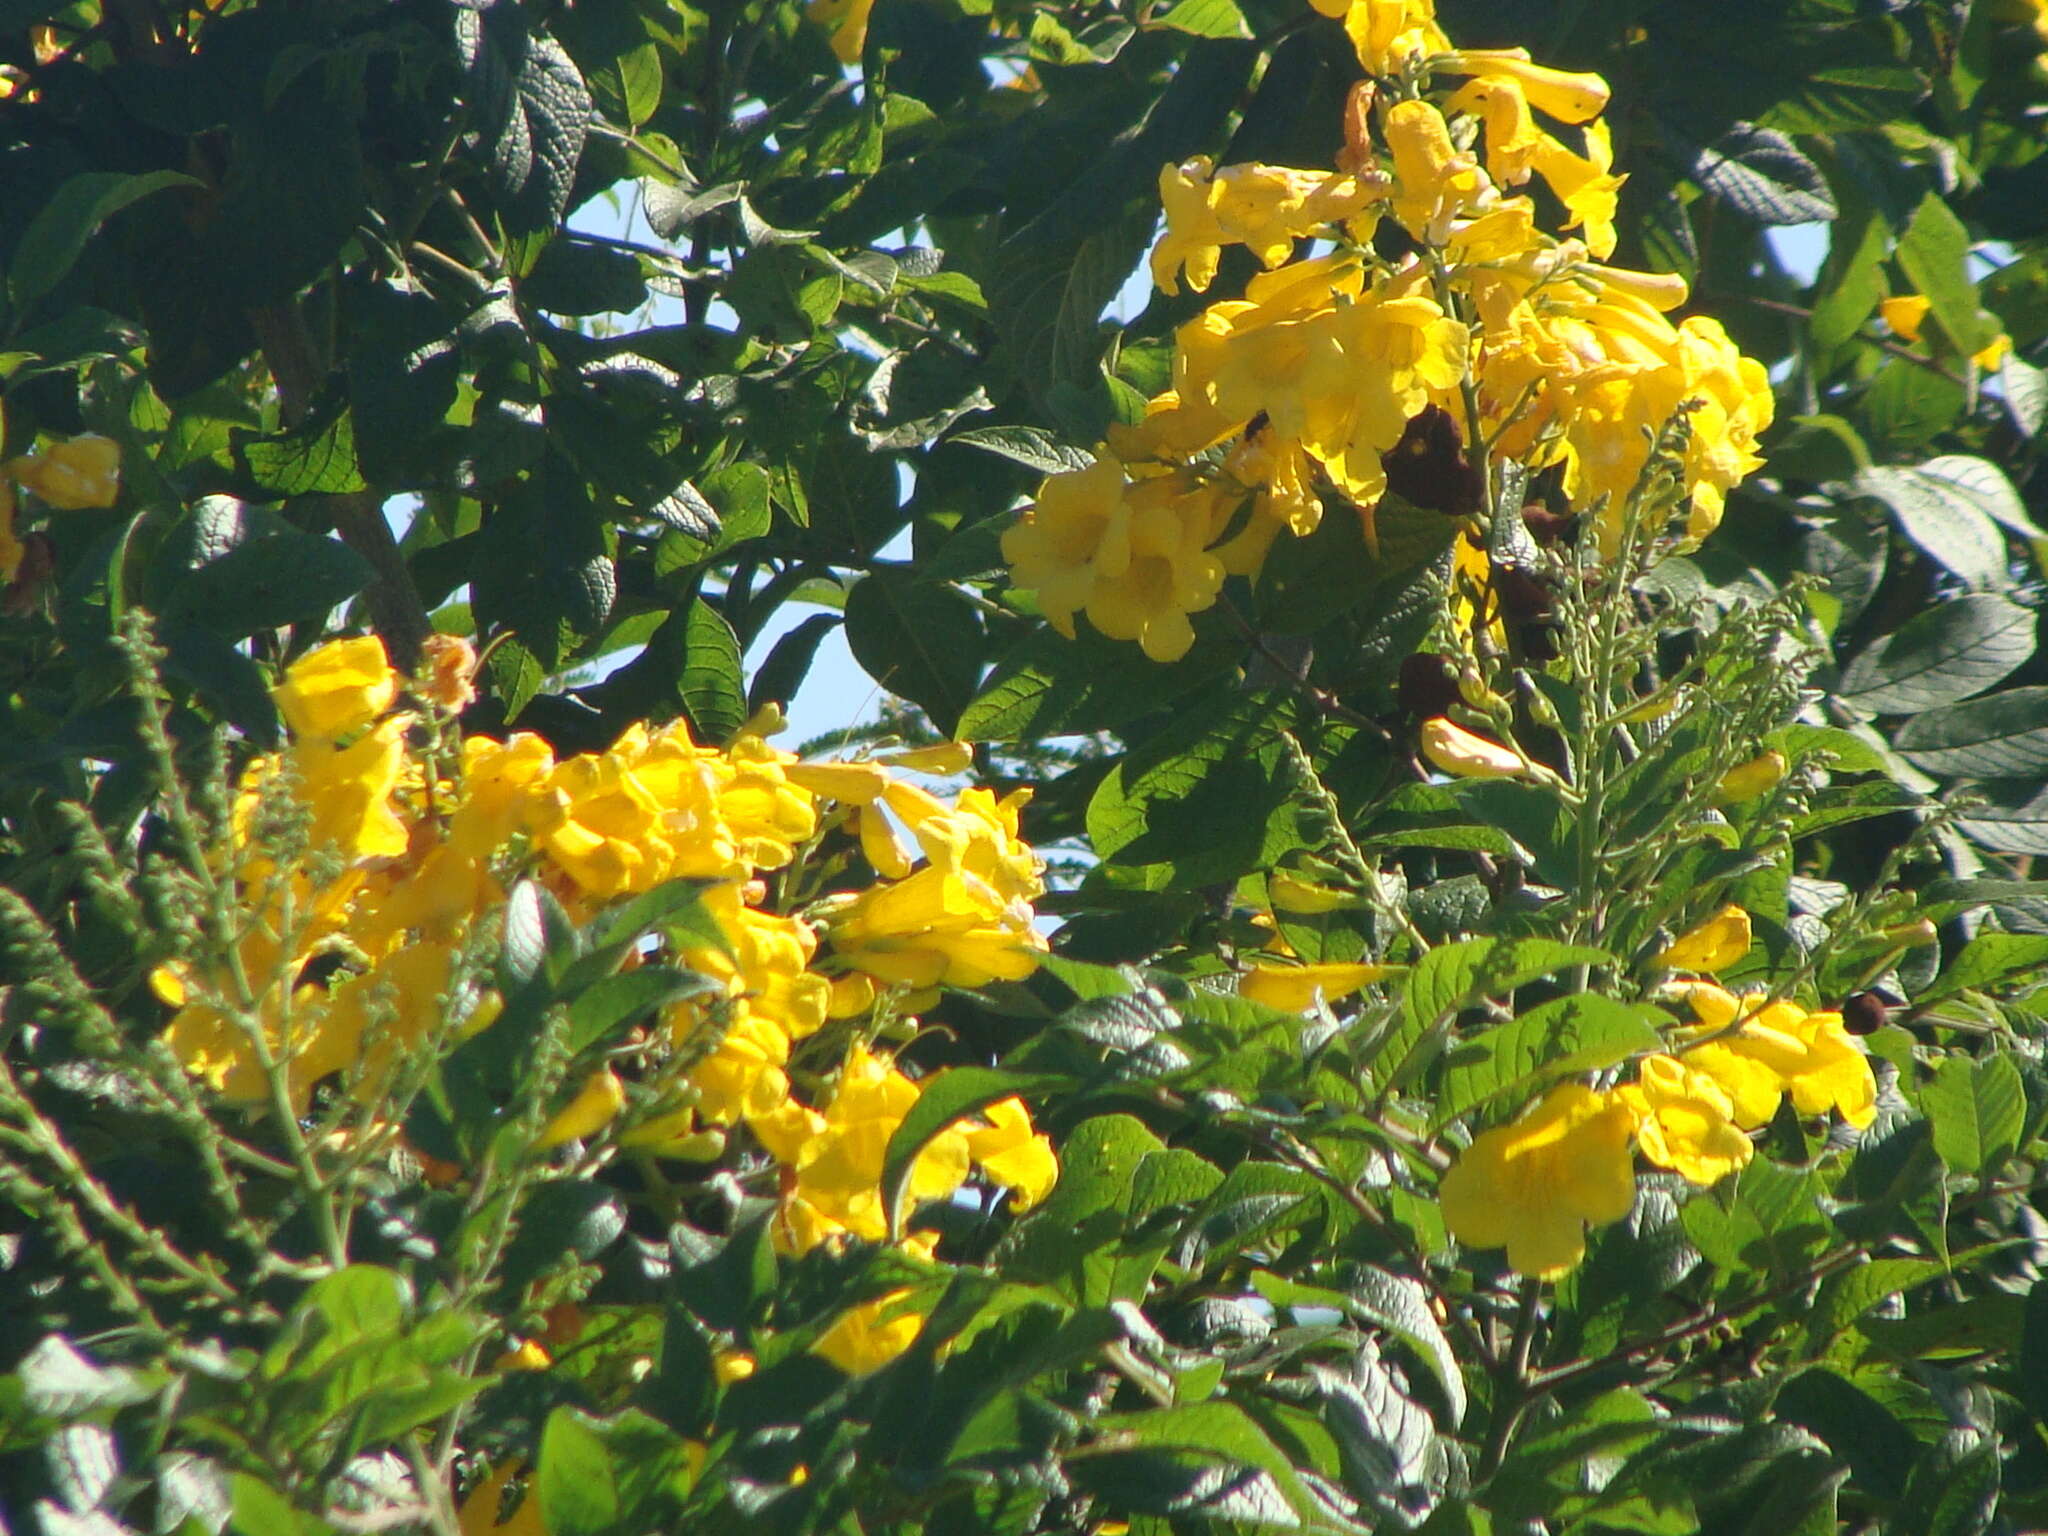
[
  {"x": 402, "y": 855},
  {"x": 1536, "y": 1185},
  {"x": 67, "y": 477},
  {"x": 1313, "y": 376}
]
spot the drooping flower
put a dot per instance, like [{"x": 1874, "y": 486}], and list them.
[
  {"x": 1712, "y": 946},
  {"x": 80, "y": 472},
  {"x": 1466, "y": 755},
  {"x": 336, "y": 689},
  {"x": 1295, "y": 988},
  {"x": 1685, "y": 1120},
  {"x": 847, "y": 21},
  {"x": 1780, "y": 1048},
  {"x": 1011, "y": 1153},
  {"x": 1904, "y": 313},
  {"x": 1536, "y": 1185}
]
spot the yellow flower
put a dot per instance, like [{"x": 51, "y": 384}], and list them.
[
  {"x": 1294, "y": 988},
  {"x": 1745, "y": 781},
  {"x": 847, "y": 20},
  {"x": 601, "y": 1097},
  {"x": 1435, "y": 180},
  {"x": 1685, "y": 1121},
  {"x": 1781, "y": 1048},
  {"x": 1385, "y": 32},
  {"x": 1713, "y": 946},
  {"x": 479, "y": 1515},
  {"x": 1290, "y": 893},
  {"x": 1568, "y": 97},
  {"x": 1078, "y": 528},
  {"x": 941, "y": 757},
  {"x": 1465, "y": 755},
  {"x": 1583, "y": 183},
  {"x": 83, "y": 472},
  {"x": 1904, "y": 313},
  {"x": 838, "y": 1157},
  {"x": 1011, "y": 1154},
  {"x": 336, "y": 689},
  {"x": 867, "y": 1337},
  {"x": 1535, "y": 1186},
  {"x": 1993, "y": 353},
  {"x": 936, "y": 928},
  {"x": 731, "y": 1365}
]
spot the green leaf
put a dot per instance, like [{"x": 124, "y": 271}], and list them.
[
  {"x": 1052, "y": 686},
  {"x": 1206, "y": 18},
  {"x": 315, "y": 458},
  {"x": 919, "y": 639},
  {"x": 2032, "y": 1373},
  {"x": 1852, "y": 282},
  {"x": 1581, "y": 1033},
  {"x": 1859, "y": 1429},
  {"x": 1942, "y": 655},
  {"x": 269, "y": 581},
  {"x": 1215, "y": 1431},
  {"x": 942, "y": 1100},
  {"x": 58, "y": 1382},
  {"x": 607, "y": 1007},
  {"x": 1977, "y": 1109},
  {"x": 1845, "y": 1297},
  {"x": 1934, "y": 253},
  {"x": 532, "y": 109},
  {"x": 577, "y": 1483},
  {"x": 712, "y": 681},
  {"x": 2000, "y": 736},
  {"x": 1764, "y": 176},
  {"x": 788, "y": 662},
  {"x": 1033, "y": 447},
  {"x": 2010, "y": 815},
  {"x": 1208, "y": 797},
  {"x": 1943, "y": 519},
  {"x": 1453, "y": 976},
  {"x": 58, "y": 233},
  {"x": 1990, "y": 959}
]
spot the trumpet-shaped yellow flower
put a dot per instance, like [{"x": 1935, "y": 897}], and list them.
[
  {"x": 1386, "y": 32},
  {"x": 599, "y": 1100},
  {"x": 1568, "y": 97},
  {"x": 1466, "y": 755},
  {"x": 82, "y": 472},
  {"x": 1535, "y": 1186},
  {"x": 846, "y": 21},
  {"x": 334, "y": 690},
  {"x": 1713, "y": 946},
  {"x": 1746, "y": 781},
  {"x": 1780, "y": 1048},
  {"x": 1295, "y": 988},
  {"x": 1685, "y": 1121},
  {"x": 1904, "y": 313},
  {"x": 1010, "y": 1153}
]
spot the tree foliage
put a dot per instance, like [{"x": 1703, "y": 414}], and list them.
[{"x": 1524, "y": 1009}]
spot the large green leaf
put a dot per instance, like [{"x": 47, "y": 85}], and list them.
[
  {"x": 62, "y": 226},
  {"x": 2000, "y": 736},
  {"x": 919, "y": 639},
  {"x": 1940, "y": 656},
  {"x": 1580, "y": 1033},
  {"x": 1977, "y": 1108}
]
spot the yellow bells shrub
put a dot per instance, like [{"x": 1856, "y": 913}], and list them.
[
  {"x": 1386, "y": 32},
  {"x": 350, "y": 791},
  {"x": 1585, "y": 185},
  {"x": 975, "y": 836},
  {"x": 1562, "y": 94},
  {"x": 941, "y": 757},
  {"x": 743, "y": 1077},
  {"x": 1434, "y": 180},
  {"x": 934, "y": 928},
  {"x": 1170, "y": 574},
  {"x": 1904, "y": 313},
  {"x": 1992, "y": 354},
  {"x": 336, "y": 689},
  {"x": 218, "y": 1050},
  {"x": 837, "y": 1186},
  {"x": 646, "y": 811},
  {"x": 1264, "y": 207},
  {"x": 1010, "y": 1153},
  {"x": 870, "y": 1335},
  {"x": 1746, "y": 781},
  {"x": 1512, "y": 136},
  {"x": 1077, "y": 532},
  {"x": 1535, "y": 1186},
  {"x": 1780, "y": 1048},
  {"x": 766, "y": 967},
  {"x": 599, "y": 1100},
  {"x": 1467, "y": 755},
  {"x": 1713, "y": 946},
  {"x": 1399, "y": 349},
  {"x": 375, "y": 1015},
  {"x": 70, "y": 476},
  {"x": 501, "y": 794},
  {"x": 846, "y": 21},
  {"x": 1685, "y": 1121},
  {"x": 1295, "y": 988},
  {"x": 766, "y": 813}
]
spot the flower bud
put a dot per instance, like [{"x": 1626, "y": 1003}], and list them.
[{"x": 1462, "y": 754}]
